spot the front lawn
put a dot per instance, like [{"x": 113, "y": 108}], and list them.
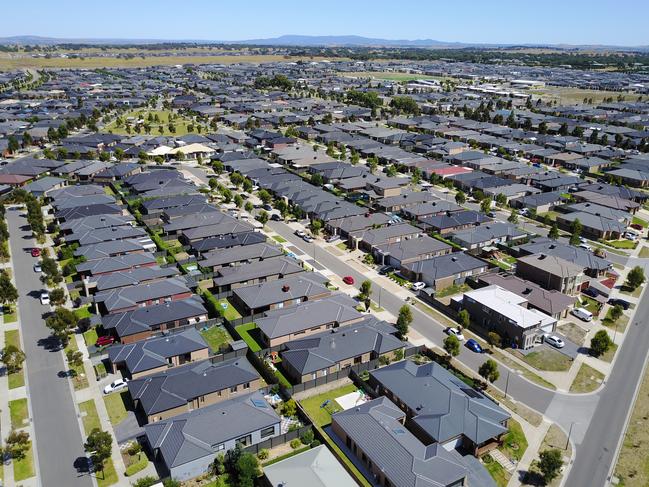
[
  {"x": 83, "y": 312},
  {"x": 279, "y": 239},
  {"x": 216, "y": 338},
  {"x": 90, "y": 336},
  {"x": 497, "y": 472},
  {"x": 590, "y": 304},
  {"x": 639, "y": 221},
  {"x": 547, "y": 359},
  {"x": 24, "y": 468},
  {"x": 136, "y": 464},
  {"x": 228, "y": 311},
  {"x": 116, "y": 406},
  {"x": 514, "y": 442},
  {"x": 108, "y": 476},
  {"x": 321, "y": 416},
  {"x": 587, "y": 379},
  {"x": 89, "y": 416},
  {"x": 19, "y": 412},
  {"x": 12, "y": 337},
  {"x": 12, "y": 316},
  {"x": 622, "y": 244},
  {"x": 244, "y": 332}
]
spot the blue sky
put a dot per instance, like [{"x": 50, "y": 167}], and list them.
[{"x": 619, "y": 22}]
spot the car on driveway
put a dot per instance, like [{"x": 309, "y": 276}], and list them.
[
  {"x": 590, "y": 292},
  {"x": 456, "y": 332},
  {"x": 45, "y": 298},
  {"x": 105, "y": 340},
  {"x": 619, "y": 302},
  {"x": 36, "y": 252},
  {"x": 555, "y": 341},
  {"x": 333, "y": 238},
  {"x": 348, "y": 280},
  {"x": 385, "y": 270},
  {"x": 418, "y": 286},
  {"x": 37, "y": 268},
  {"x": 116, "y": 385},
  {"x": 474, "y": 346}
]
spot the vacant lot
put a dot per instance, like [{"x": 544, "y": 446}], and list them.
[
  {"x": 546, "y": 359},
  {"x": 566, "y": 95},
  {"x": 389, "y": 75},
  {"x": 587, "y": 379}
]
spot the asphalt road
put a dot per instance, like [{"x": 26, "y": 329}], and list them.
[{"x": 59, "y": 443}]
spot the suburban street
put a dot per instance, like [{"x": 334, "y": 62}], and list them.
[
  {"x": 595, "y": 421},
  {"x": 58, "y": 441}
]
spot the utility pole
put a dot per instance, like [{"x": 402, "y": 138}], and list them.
[
  {"x": 507, "y": 383},
  {"x": 569, "y": 433}
]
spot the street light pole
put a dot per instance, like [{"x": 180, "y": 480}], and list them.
[
  {"x": 569, "y": 433},
  {"x": 507, "y": 383}
]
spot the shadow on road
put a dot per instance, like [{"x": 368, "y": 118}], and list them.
[
  {"x": 50, "y": 344},
  {"x": 82, "y": 465}
]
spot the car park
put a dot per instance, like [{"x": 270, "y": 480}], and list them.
[
  {"x": 116, "y": 385},
  {"x": 348, "y": 280},
  {"x": 418, "y": 286},
  {"x": 45, "y": 298},
  {"x": 473, "y": 345},
  {"x": 456, "y": 332},
  {"x": 554, "y": 340}
]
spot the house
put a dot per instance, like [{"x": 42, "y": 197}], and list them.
[
  {"x": 141, "y": 295},
  {"x": 192, "y": 386},
  {"x": 440, "y": 409},
  {"x": 552, "y": 272},
  {"x": 375, "y": 433},
  {"x": 41, "y": 187},
  {"x": 452, "y": 222},
  {"x": 187, "y": 445},
  {"x": 496, "y": 309},
  {"x": 119, "y": 263},
  {"x": 551, "y": 302},
  {"x": 281, "y": 325},
  {"x": 430, "y": 208},
  {"x": 446, "y": 270},
  {"x": 540, "y": 203},
  {"x": 594, "y": 225},
  {"x": 131, "y": 277},
  {"x": 233, "y": 256},
  {"x": 609, "y": 200},
  {"x": 142, "y": 323},
  {"x": 369, "y": 239},
  {"x": 397, "y": 203},
  {"x": 359, "y": 223},
  {"x": 410, "y": 250},
  {"x": 145, "y": 357},
  {"x": 630, "y": 177},
  {"x": 229, "y": 278},
  {"x": 113, "y": 249},
  {"x": 317, "y": 467},
  {"x": 259, "y": 298},
  {"x": 487, "y": 235},
  {"x": 592, "y": 265},
  {"x": 329, "y": 352}
]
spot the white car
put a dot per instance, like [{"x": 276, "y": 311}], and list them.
[
  {"x": 116, "y": 385},
  {"x": 555, "y": 341},
  {"x": 37, "y": 268},
  {"x": 307, "y": 238},
  {"x": 300, "y": 233},
  {"x": 455, "y": 332},
  {"x": 585, "y": 246},
  {"x": 45, "y": 298},
  {"x": 418, "y": 286}
]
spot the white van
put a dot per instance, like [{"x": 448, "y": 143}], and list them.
[{"x": 582, "y": 314}]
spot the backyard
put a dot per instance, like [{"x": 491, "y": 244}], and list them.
[
  {"x": 216, "y": 337},
  {"x": 245, "y": 332},
  {"x": 229, "y": 312},
  {"x": 321, "y": 416}
]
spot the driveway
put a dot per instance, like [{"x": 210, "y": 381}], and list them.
[{"x": 59, "y": 443}]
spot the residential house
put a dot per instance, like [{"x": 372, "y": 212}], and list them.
[
  {"x": 552, "y": 272},
  {"x": 446, "y": 270}
]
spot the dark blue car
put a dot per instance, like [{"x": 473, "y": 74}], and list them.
[{"x": 474, "y": 346}]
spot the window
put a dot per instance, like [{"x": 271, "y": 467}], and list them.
[
  {"x": 244, "y": 440},
  {"x": 266, "y": 432},
  {"x": 233, "y": 389},
  {"x": 246, "y": 385},
  {"x": 218, "y": 447}
]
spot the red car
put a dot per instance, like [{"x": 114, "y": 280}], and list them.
[
  {"x": 36, "y": 252},
  {"x": 348, "y": 280},
  {"x": 637, "y": 226},
  {"x": 105, "y": 340}
]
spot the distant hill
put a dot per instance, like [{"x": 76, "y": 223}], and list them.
[{"x": 307, "y": 41}]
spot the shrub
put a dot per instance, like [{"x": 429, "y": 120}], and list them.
[
  {"x": 263, "y": 454},
  {"x": 308, "y": 437},
  {"x": 295, "y": 444},
  {"x": 315, "y": 443}
]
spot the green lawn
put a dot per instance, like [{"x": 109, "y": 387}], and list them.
[
  {"x": 12, "y": 337},
  {"x": 608, "y": 356},
  {"x": 116, "y": 406},
  {"x": 11, "y": 317},
  {"x": 497, "y": 472},
  {"x": 644, "y": 252},
  {"x": 83, "y": 312},
  {"x": 17, "y": 379},
  {"x": 108, "y": 476},
  {"x": 180, "y": 123},
  {"x": 322, "y": 416},
  {"x": 216, "y": 337},
  {"x": 19, "y": 412},
  {"x": 279, "y": 239},
  {"x": 587, "y": 379},
  {"x": 590, "y": 304},
  {"x": 548, "y": 360},
  {"x": 229, "y": 312},
  {"x": 24, "y": 468},
  {"x": 639, "y": 221},
  {"x": 91, "y": 418},
  {"x": 342, "y": 246},
  {"x": 136, "y": 464},
  {"x": 244, "y": 332},
  {"x": 622, "y": 244},
  {"x": 79, "y": 380},
  {"x": 451, "y": 290},
  {"x": 90, "y": 336},
  {"x": 514, "y": 442}
]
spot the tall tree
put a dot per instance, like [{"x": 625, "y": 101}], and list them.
[
  {"x": 489, "y": 370},
  {"x": 99, "y": 445},
  {"x": 403, "y": 321}
]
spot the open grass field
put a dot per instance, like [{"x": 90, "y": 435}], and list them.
[
  {"x": 7, "y": 63},
  {"x": 572, "y": 96},
  {"x": 180, "y": 123},
  {"x": 390, "y": 76}
]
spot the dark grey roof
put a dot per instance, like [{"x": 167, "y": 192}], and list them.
[
  {"x": 445, "y": 265},
  {"x": 133, "y": 277},
  {"x": 144, "y": 319},
  {"x": 106, "y": 249},
  {"x": 581, "y": 257},
  {"x": 177, "y": 386},
  {"x": 337, "y": 308},
  {"x": 93, "y": 236},
  {"x": 69, "y": 201},
  {"x": 172, "y": 202},
  {"x": 83, "y": 211},
  {"x": 118, "y": 263},
  {"x": 154, "y": 352},
  {"x": 126, "y": 297},
  {"x": 326, "y": 349},
  {"x": 421, "y": 247},
  {"x": 95, "y": 222},
  {"x": 376, "y": 427},
  {"x": 220, "y": 257},
  {"x": 303, "y": 285},
  {"x": 444, "y": 406},
  {"x": 487, "y": 232},
  {"x": 197, "y": 434},
  {"x": 278, "y": 266}
]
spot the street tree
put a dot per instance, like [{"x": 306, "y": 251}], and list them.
[
  {"x": 75, "y": 360},
  {"x": 262, "y": 217},
  {"x": 17, "y": 444},
  {"x": 460, "y": 198},
  {"x": 8, "y": 292},
  {"x": 50, "y": 271},
  {"x": 550, "y": 463},
  {"x": 554, "y": 232},
  {"x": 316, "y": 226},
  {"x": 600, "y": 343},
  {"x": 616, "y": 312},
  {"x": 264, "y": 196},
  {"x": 635, "y": 278},
  {"x": 489, "y": 370},
  {"x": 463, "y": 318},
  {"x": 513, "y": 217},
  {"x": 452, "y": 345},
  {"x": 365, "y": 291},
  {"x": 62, "y": 322},
  {"x": 403, "y": 321},
  {"x": 57, "y": 296},
  {"x": 575, "y": 230},
  {"x": 13, "y": 358},
  {"x": 485, "y": 205},
  {"x": 99, "y": 445}
]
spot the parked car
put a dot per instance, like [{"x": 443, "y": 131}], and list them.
[
  {"x": 116, "y": 385},
  {"x": 385, "y": 270},
  {"x": 455, "y": 332},
  {"x": 492, "y": 214},
  {"x": 307, "y": 238},
  {"x": 37, "y": 268},
  {"x": 36, "y": 252},
  {"x": 555, "y": 341},
  {"x": 275, "y": 217},
  {"x": 267, "y": 207},
  {"x": 300, "y": 233},
  {"x": 45, "y": 298},
  {"x": 585, "y": 246},
  {"x": 333, "y": 238},
  {"x": 474, "y": 346},
  {"x": 619, "y": 302},
  {"x": 348, "y": 280},
  {"x": 105, "y": 340},
  {"x": 418, "y": 286},
  {"x": 582, "y": 314},
  {"x": 590, "y": 292},
  {"x": 637, "y": 226}
]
